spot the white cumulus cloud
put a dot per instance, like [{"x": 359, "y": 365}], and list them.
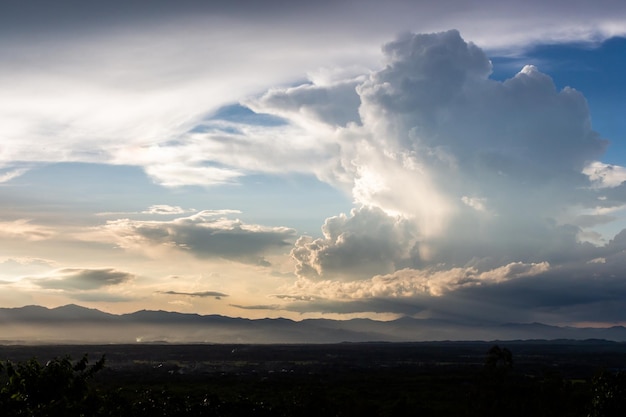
[{"x": 463, "y": 167}]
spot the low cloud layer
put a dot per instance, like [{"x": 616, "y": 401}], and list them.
[
  {"x": 164, "y": 209},
  {"x": 571, "y": 293},
  {"x": 207, "y": 234},
  {"x": 71, "y": 279}
]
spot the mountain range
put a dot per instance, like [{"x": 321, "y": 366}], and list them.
[{"x": 76, "y": 324}]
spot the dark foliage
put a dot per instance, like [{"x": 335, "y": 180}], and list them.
[
  {"x": 608, "y": 395},
  {"x": 58, "y": 388},
  {"x": 337, "y": 381}
]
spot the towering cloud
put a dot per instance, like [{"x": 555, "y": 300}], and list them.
[
  {"x": 366, "y": 243},
  {"x": 456, "y": 168},
  {"x": 468, "y": 190}
]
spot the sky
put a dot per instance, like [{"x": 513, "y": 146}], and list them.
[{"x": 453, "y": 160}]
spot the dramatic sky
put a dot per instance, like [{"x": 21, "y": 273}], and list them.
[{"x": 455, "y": 159}]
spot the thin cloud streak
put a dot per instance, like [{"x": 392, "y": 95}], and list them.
[{"x": 215, "y": 294}]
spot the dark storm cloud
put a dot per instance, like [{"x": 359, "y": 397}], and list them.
[
  {"x": 590, "y": 290},
  {"x": 394, "y": 14},
  {"x": 579, "y": 292},
  {"x": 69, "y": 15}
]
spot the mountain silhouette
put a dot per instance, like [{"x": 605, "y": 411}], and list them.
[{"x": 76, "y": 324}]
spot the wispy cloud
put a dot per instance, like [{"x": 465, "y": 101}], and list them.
[
  {"x": 25, "y": 229},
  {"x": 202, "y": 294},
  {"x": 258, "y": 307},
  {"x": 157, "y": 209},
  {"x": 164, "y": 209},
  {"x": 9, "y": 174}
]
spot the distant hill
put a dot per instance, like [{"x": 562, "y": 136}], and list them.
[{"x": 76, "y": 324}]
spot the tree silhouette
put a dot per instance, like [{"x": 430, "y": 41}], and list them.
[
  {"x": 58, "y": 388},
  {"x": 495, "y": 393},
  {"x": 499, "y": 358},
  {"x": 608, "y": 395}
]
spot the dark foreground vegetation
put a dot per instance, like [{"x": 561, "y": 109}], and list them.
[{"x": 379, "y": 379}]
